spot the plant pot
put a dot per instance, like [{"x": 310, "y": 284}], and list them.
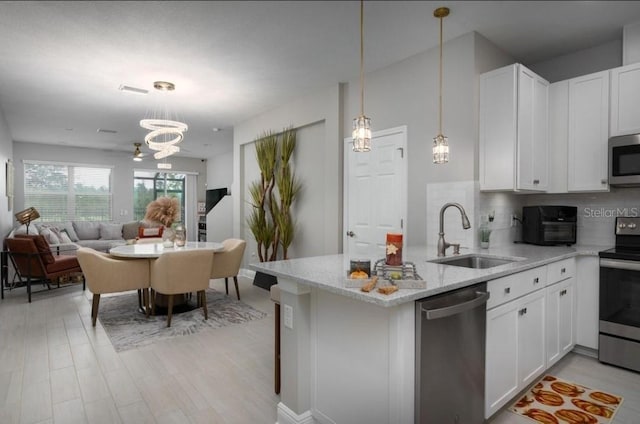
[{"x": 264, "y": 281}]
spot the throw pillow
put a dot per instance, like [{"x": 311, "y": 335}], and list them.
[
  {"x": 68, "y": 226},
  {"x": 42, "y": 246},
  {"x": 64, "y": 236},
  {"x": 110, "y": 231},
  {"x": 22, "y": 229},
  {"x": 87, "y": 230},
  {"x": 130, "y": 230},
  {"x": 49, "y": 234},
  {"x": 150, "y": 232}
]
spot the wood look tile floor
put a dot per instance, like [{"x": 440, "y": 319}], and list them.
[{"x": 56, "y": 368}]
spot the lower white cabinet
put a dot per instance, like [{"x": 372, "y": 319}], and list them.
[
  {"x": 515, "y": 348},
  {"x": 587, "y": 299},
  {"x": 560, "y": 329}
]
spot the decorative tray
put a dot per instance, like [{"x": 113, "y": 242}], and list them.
[{"x": 404, "y": 276}]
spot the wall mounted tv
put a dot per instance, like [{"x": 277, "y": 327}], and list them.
[{"x": 214, "y": 196}]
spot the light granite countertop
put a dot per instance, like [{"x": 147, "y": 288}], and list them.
[{"x": 330, "y": 272}]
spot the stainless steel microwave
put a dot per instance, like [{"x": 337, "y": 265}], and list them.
[{"x": 624, "y": 161}]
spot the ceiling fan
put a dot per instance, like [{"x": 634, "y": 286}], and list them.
[{"x": 137, "y": 154}]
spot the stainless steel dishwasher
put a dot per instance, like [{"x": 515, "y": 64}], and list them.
[{"x": 450, "y": 353}]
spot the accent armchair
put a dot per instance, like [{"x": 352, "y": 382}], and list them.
[
  {"x": 34, "y": 261},
  {"x": 227, "y": 263},
  {"x": 181, "y": 271},
  {"x": 106, "y": 274}
]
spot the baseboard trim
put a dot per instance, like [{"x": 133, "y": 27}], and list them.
[
  {"x": 287, "y": 416},
  {"x": 249, "y": 273},
  {"x": 585, "y": 351}
]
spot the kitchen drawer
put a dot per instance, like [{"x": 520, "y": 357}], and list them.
[
  {"x": 513, "y": 286},
  {"x": 561, "y": 270}
]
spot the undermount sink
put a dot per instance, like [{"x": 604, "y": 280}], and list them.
[{"x": 475, "y": 261}]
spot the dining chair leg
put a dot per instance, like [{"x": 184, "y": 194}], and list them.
[
  {"x": 203, "y": 297},
  {"x": 94, "y": 308},
  {"x": 226, "y": 285},
  {"x": 235, "y": 281},
  {"x": 153, "y": 302},
  {"x": 277, "y": 349},
  {"x": 145, "y": 301},
  {"x": 170, "y": 310}
]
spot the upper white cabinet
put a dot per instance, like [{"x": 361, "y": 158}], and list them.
[
  {"x": 588, "y": 132},
  {"x": 513, "y": 130},
  {"x": 625, "y": 100},
  {"x": 578, "y": 134}
]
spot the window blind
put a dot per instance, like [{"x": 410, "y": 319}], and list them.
[{"x": 63, "y": 192}]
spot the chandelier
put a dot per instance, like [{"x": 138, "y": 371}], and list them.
[{"x": 164, "y": 134}]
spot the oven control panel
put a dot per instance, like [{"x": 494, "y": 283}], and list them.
[{"x": 626, "y": 225}]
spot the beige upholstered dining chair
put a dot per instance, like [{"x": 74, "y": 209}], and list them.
[
  {"x": 182, "y": 271},
  {"x": 227, "y": 263},
  {"x": 106, "y": 274}
]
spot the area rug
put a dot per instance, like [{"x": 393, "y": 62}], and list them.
[
  {"x": 555, "y": 401},
  {"x": 128, "y": 328}
]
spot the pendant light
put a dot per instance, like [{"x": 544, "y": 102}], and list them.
[
  {"x": 440, "y": 141},
  {"x": 361, "y": 135}
]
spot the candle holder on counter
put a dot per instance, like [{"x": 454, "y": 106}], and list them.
[{"x": 394, "y": 249}]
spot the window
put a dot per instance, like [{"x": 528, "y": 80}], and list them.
[
  {"x": 149, "y": 185},
  {"x": 64, "y": 192}
]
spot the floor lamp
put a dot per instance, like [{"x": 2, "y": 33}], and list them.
[{"x": 27, "y": 215}]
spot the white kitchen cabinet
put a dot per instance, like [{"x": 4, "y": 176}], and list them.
[
  {"x": 513, "y": 130},
  {"x": 587, "y": 301},
  {"x": 625, "y": 100},
  {"x": 588, "y": 130},
  {"x": 560, "y": 329},
  {"x": 515, "y": 353},
  {"x": 578, "y": 134}
]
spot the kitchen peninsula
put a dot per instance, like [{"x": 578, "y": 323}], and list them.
[{"x": 349, "y": 356}]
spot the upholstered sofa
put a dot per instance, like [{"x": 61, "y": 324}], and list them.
[{"x": 94, "y": 234}]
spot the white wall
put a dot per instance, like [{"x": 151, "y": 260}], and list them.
[
  {"x": 583, "y": 62},
  {"x": 122, "y": 177},
  {"x": 220, "y": 218},
  {"x": 317, "y": 118},
  {"x": 6, "y": 153},
  {"x": 631, "y": 43}
]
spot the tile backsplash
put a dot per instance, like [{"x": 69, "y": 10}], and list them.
[{"x": 596, "y": 212}]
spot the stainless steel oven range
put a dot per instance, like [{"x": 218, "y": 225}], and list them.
[{"x": 619, "y": 340}]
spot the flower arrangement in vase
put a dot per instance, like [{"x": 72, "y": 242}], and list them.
[{"x": 164, "y": 210}]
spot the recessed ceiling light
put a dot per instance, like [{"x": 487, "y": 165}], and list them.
[
  {"x": 132, "y": 90},
  {"x": 163, "y": 165},
  {"x": 104, "y": 130},
  {"x": 68, "y": 129},
  {"x": 215, "y": 129}
]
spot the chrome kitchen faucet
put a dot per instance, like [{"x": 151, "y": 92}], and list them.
[{"x": 442, "y": 244}]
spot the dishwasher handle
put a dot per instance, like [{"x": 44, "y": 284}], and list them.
[{"x": 481, "y": 297}]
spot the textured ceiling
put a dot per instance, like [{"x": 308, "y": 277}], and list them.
[{"x": 62, "y": 62}]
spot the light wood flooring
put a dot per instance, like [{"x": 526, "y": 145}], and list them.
[{"x": 56, "y": 368}]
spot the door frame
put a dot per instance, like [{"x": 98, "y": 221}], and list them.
[{"x": 404, "y": 172}]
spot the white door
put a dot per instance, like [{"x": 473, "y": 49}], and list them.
[{"x": 375, "y": 194}]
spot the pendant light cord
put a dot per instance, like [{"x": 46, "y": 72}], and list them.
[
  {"x": 361, "y": 57},
  {"x": 440, "y": 83}
]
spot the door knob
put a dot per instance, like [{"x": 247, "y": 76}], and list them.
[{"x": 351, "y": 234}]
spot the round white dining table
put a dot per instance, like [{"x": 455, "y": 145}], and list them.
[{"x": 154, "y": 250}]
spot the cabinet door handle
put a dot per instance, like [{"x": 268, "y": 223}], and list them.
[
  {"x": 603, "y": 181},
  {"x": 522, "y": 311},
  {"x": 563, "y": 292},
  {"x": 536, "y": 280},
  {"x": 536, "y": 181},
  {"x": 563, "y": 270},
  {"x": 507, "y": 290},
  {"x": 525, "y": 310}
]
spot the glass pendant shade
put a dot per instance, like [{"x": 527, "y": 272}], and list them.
[
  {"x": 361, "y": 134},
  {"x": 440, "y": 149}
]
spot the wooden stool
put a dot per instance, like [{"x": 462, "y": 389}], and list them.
[{"x": 274, "y": 292}]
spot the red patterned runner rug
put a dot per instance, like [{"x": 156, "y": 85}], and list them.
[{"x": 555, "y": 401}]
